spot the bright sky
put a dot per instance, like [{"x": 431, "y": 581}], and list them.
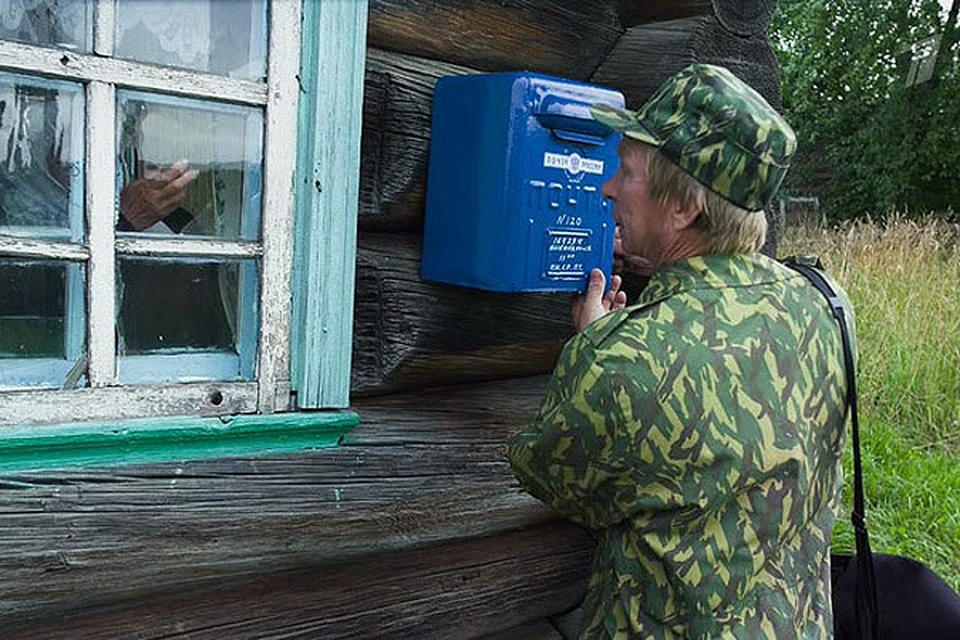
[{"x": 946, "y": 6}]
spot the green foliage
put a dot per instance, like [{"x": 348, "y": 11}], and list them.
[
  {"x": 903, "y": 278},
  {"x": 868, "y": 143}
]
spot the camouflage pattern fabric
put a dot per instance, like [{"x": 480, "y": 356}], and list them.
[
  {"x": 717, "y": 129},
  {"x": 700, "y": 433}
]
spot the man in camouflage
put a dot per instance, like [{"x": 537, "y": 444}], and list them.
[{"x": 699, "y": 430}]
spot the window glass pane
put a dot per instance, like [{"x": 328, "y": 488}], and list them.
[
  {"x": 188, "y": 166},
  {"x": 225, "y": 37},
  {"x": 57, "y": 23},
  {"x": 41, "y": 173},
  {"x": 42, "y": 328},
  {"x": 189, "y": 306}
]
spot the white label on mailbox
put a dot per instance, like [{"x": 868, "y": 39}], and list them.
[
  {"x": 566, "y": 254},
  {"x": 574, "y": 163}
]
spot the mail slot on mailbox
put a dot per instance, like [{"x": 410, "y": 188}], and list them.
[{"x": 514, "y": 183}]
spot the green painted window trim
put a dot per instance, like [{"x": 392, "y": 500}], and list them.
[
  {"x": 181, "y": 439},
  {"x": 326, "y": 199}
]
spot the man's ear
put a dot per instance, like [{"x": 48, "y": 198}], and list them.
[{"x": 684, "y": 216}]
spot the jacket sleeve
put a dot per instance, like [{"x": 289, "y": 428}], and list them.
[{"x": 585, "y": 454}]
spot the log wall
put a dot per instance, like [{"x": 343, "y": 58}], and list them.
[
  {"x": 414, "y": 517},
  {"x": 411, "y": 334},
  {"x": 456, "y": 591},
  {"x": 560, "y": 37}
]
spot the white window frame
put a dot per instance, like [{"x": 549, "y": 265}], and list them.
[{"x": 104, "y": 398}]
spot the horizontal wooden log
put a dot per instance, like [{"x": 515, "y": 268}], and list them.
[
  {"x": 568, "y": 38},
  {"x": 741, "y": 17},
  {"x": 395, "y": 141},
  {"x": 486, "y": 413},
  {"x": 540, "y": 630},
  {"x": 420, "y": 470},
  {"x": 648, "y": 54},
  {"x": 634, "y": 12},
  {"x": 409, "y": 333},
  {"x": 453, "y": 592}
]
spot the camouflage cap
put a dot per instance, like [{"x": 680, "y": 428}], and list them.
[{"x": 717, "y": 129}]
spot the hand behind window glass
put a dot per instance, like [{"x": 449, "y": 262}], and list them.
[{"x": 148, "y": 200}]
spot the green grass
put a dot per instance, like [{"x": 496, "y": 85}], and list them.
[{"x": 904, "y": 281}]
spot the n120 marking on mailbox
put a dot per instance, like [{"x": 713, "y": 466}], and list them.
[{"x": 574, "y": 163}]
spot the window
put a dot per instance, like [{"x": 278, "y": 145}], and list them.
[{"x": 146, "y": 209}]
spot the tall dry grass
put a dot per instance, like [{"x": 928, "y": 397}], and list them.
[{"x": 903, "y": 278}]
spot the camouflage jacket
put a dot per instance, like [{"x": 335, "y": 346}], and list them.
[{"x": 700, "y": 433}]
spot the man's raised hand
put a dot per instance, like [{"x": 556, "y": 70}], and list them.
[
  {"x": 596, "y": 303},
  {"x": 146, "y": 201}
]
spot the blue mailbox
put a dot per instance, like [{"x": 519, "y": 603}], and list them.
[{"x": 514, "y": 183}]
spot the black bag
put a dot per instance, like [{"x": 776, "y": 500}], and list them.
[{"x": 877, "y": 596}]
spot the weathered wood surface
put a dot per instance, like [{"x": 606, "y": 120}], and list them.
[
  {"x": 458, "y": 591},
  {"x": 399, "y": 93},
  {"x": 561, "y": 37},
  {"x": 70, "y": 65},
  {"x": 394, "y": 147},
  {"x": 421, "y": 469},
  {"x": 648, "y": 54},
  {"x": 745, "y": 17},
  {"x": 128, "y": 402},
  {"x": 540, "y": 630},
  {"x": 568, "y": 38},
  {"x": 634, "y": 12},
  {"x": 409, "y": 333},
  {"x": 742, "y": 17}
]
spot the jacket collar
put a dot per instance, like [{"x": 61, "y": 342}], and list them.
[{"x": 713, "y": 271}]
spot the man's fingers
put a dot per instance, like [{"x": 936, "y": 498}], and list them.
[
  {"x": 175, "y": 190},
  {"x": 620, "y": 301},
  {"x": 173, "y": 172},
  {"x": 610, "y": 297},
  {"x": 175, "y": 176},
  {"x": 595, "y": 288},
  {"x": 589, "y": 306},
  {"x": 162, "y": 197},
  {"x": 185, "y": 179}
]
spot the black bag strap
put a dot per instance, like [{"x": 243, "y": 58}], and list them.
[{"x": 866, "y": 603}]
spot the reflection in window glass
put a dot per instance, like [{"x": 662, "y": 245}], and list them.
[
  {"x": 188, "y": 306},
  {"x": 41, "y": 173},
  {"x": 189, "y": 166},
  {"x": 55, "y": 23},
  {"x": 41, "y": 309},
  {"x": 225, "y": 37}
]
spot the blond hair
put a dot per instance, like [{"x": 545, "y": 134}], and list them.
[{"x": 725, "y": 227}]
